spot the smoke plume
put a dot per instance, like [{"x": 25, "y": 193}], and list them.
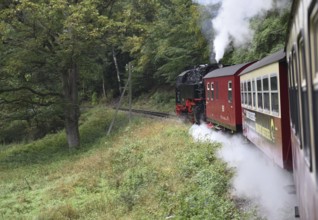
[
  {"x": 232, "y": 21},
  {"x": 258, "y": 181}
]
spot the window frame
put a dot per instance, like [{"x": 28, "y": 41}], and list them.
[
  {"x": 312, "y": 81},
  {"x": 212, "y": 91},
  {"x": 266, "y": 110},
  {"x": 208, "y": 91},
  {"x": 304, "y": 104},
  {"x": 290, "y": 89},
  {"x": 313, "y": 15},
  {"x": 245, "y": 96},
  {"x": 296, "y": 93},
  {"x": 230, "y": 91},
  {"x": 276, "y": 91},
  {"x": 259, "y": 92},
  {"x": 241, "y": 89},
  {"x": 249, "y": 93},
  {"x": 254, "y": 92}
]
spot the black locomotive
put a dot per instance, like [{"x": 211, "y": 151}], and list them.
[{"x": 190, "y": 92}]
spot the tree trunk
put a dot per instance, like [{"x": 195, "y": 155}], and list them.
[
  {"x": 103, "y": 85},
  {"x": 117, "y": 70},
  {"x": 71, "y": 108}
]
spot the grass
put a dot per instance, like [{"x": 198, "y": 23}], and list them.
[
  {"x": 157, "y": 100},
  {"x": 148, "y": 169}
]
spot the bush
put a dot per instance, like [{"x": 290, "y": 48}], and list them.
[
  {"x": 13, "y": 132},
  {"x": 94, "y": 98}
]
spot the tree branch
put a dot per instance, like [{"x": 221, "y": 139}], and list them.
[
  {"x": 14, "y": 101},
  {"x": 32, "y": 91}
]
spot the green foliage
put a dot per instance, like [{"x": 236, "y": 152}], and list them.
[
  {"x": 13, "y": 131},
  {"x": 170, "y": 44},
  {"x": 161, "y": 99},
  {"x": 94, "y": 98},
  {"x": 41, "y": 44},
  {"x": 208, "y": 182},
  {"x": 42, "y": 41}
]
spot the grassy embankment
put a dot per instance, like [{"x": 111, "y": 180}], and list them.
[{"x": 150, "y": 169}]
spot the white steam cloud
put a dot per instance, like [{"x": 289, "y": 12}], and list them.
[
  {"x": 232, "y": 21},
  {"x": 258, "y": 181}
]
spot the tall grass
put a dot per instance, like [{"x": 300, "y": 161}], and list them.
[{"x": 148, "y": 169}]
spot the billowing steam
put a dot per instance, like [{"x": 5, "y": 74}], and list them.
[
  {"x": 258, "y": 181},
  {"x": 232, "y": 21}
]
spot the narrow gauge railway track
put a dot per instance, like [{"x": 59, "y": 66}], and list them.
[{"x": 151, "y": 113}]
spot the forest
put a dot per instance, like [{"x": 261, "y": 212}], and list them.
[{"x": 56, "y": 55}]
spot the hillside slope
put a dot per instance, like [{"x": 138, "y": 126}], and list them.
[{"x": 149, "y": 169}]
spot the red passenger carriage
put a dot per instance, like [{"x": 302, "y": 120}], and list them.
[{"x": 223, "y": 102}]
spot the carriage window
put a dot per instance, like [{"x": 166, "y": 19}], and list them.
[
  {"x": 274, "y": 95},
  {"x": 314, "y": 45},
  {"x": 291, "y": 95},
  {"x": 290, "y": 83},
  {"x": 253, "y": 94},
  {"x": 249, "y": 94},
  {"x": 242, "y": 93},
  {"x": 212, "y": 91},
  {"x": 266, "y": 93},
  {"x": 295, "y": 93},
  {"x": 229, "y": 91},
  {"x": 208, "y": 91},
  {"x": 313, "y": 34},
  {"x": 259, "y": 94},
  {"x": 304, "y": 101},
  {"x": 245, "y": 93}
]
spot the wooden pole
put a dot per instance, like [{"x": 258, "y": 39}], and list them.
[
  {"x": 117, "y": 69},
  {"x": 130, "y": 90},
  {"x": 117, "y": 108}
]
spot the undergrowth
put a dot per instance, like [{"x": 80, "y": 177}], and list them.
[
  {"x": 162, "y": 100},
  {"x": 148, "y": 169}
]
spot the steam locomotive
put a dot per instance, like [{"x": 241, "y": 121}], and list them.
[
  {"x": 273, "y": 101},
  {"x": 190, "y": 93}
]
